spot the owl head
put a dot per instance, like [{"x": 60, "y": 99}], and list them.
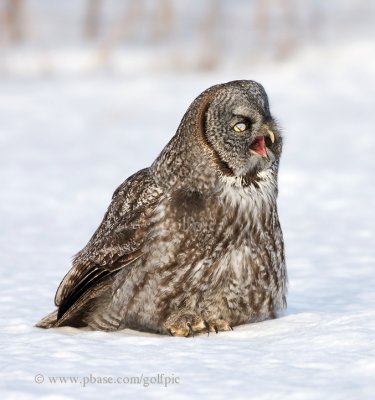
[{"x": 235, "y": 124}]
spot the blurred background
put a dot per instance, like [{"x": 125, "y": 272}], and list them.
[{"x": 82, "y": 36}]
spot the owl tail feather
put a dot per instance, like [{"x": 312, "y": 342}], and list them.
[{"x": 48, "y": 321}]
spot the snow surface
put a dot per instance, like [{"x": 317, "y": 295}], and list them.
[{"x": 67, "y": 143}]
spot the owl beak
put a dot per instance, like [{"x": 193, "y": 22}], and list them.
[{"x": 270, "y": 134}]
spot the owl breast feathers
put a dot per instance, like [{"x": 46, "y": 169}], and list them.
[{"x": 192, "y": 243}]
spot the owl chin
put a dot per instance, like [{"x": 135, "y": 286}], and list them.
[{"x": 255, "y": 164}]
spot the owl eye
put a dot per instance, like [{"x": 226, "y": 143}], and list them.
[{"x": 240, "y": 127}]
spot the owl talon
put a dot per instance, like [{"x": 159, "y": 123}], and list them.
[
  {"x": 220, "y": 325},
  {"x": 185, "y": 325},
  {"x": 191, "y": 331},
  {"x": 207, "y": 326}
]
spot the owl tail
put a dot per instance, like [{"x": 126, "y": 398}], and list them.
[{"x": 48, "y": 321}]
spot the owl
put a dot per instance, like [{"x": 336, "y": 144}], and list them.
[{"x": 193, "y": 243}]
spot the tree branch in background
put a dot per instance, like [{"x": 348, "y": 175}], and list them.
[
  {"x": 287, "y": 39},
  {"x": 92, "y": 19},
  {"x": 209, "y": 54},
  {"x": 13, "y": 20},
  {"x": 121, "y": 29},
  {"x": 163, "y": 21}
]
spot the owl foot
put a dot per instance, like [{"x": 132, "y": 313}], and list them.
[
  {"x": 185, "y": 325},
  {"x": 190, "y": 324},
  {"x": 219, "y": 325}
]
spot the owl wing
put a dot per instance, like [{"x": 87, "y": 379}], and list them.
[{"x": 116, "y": 243}]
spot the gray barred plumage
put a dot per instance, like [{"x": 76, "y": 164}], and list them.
[{"x": 192, "y": 243}]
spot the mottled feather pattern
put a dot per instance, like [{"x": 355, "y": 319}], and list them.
[{"x": 192, "y": 243}]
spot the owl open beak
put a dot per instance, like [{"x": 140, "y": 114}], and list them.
[{"x": 258, "y": 146}]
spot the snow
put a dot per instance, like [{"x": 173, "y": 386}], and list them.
[{"x": 66, "y": 143}]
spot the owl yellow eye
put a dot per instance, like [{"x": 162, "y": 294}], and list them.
[{"x": 240, "y": 127}]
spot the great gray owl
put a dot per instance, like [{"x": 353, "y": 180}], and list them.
[{"x": 192, "y": 243}]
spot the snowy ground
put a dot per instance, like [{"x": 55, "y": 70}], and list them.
[{"x": 66, "y": 144}]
